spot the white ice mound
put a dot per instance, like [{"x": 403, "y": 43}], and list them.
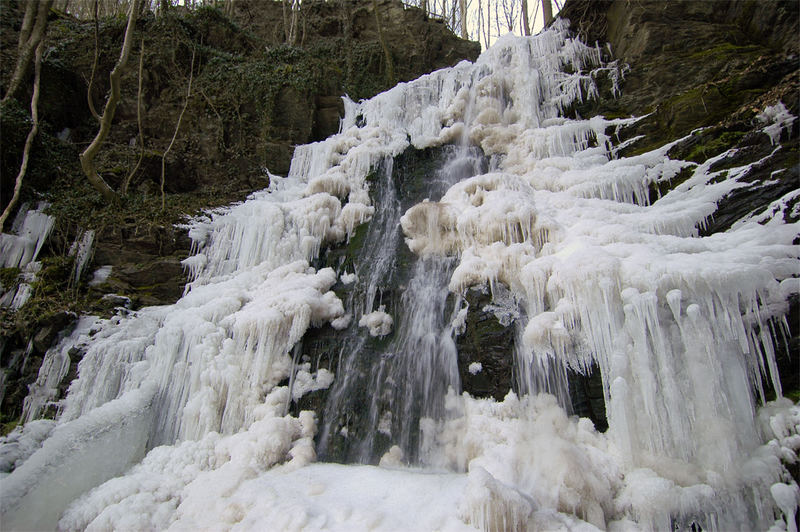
[{"x": 378, "y": 322}]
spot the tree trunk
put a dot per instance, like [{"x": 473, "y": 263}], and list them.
[
  {"x": 127, "y": 181},
  {"x": 293, "y": 24},
  {"x": 175, "y": 135},
  {"x": 89, "y": 91},
  {"x": 88, "y": 155},
  {"x": 26, "y": 152},
  {"x": 285, "y": 22},
  {"x": 526, "y": 26},
  {"x": 547, "y": 11},
  {"x": 462, "y": 5},
  {"x": 29, "y": 38},
  {"x": 27, "y": 24},
  {"x": 390, "y": 80}
]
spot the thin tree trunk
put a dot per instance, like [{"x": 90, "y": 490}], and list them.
[
  {"x": 547, "y": 11},
  {"x": 89, "y": 97},
  {"x": 285, "y": 22},
  {"x": 33, "y": 35},
  {"x": 127, "y": 181},
  {"x": 31, "y": 9},
  {"x": 526, "y": 26},
  {"x": 390, "y": 79},
  {"x": 462, "y": 5},
  {"x": 488, "y": 23},
  {"x": 497, "y": 17},
  {"x": 88, "y": 155},
  {"x": 293, "y": 24},
  {"x": 26, "y": 151},
  {"x": 177, "y": 128}
]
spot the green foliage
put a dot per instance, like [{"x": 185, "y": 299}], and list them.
[{"x": 9, "y": 277}]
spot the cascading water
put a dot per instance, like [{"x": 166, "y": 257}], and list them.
[
  {"x": 186, "y": 405},
  {"x": 389, "y": 385}
]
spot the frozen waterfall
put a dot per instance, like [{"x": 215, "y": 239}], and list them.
[{"x": 180, "y": 418}]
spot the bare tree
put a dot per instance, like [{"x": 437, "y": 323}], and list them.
[
  {"x": 526, "y": 26},
  {"x": 390, "y": 79},
  {"x": 34, "y": 25},
  {"x": 177, "y": 128},
  {"x": 291, "y": 10},
  {"x": 127, "y": 181},
  {"x": 89, "y": 154},
  {"x": 510, "y": 14},
  {"x": 462, "y": 5},
  {"x": 547, "y": 11},
  {"x": 26, "y": 151}
]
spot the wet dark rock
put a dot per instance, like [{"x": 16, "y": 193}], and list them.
[
  {"x": 586, "y": 394},
  {"x": 145, "y": 266},
  {"x": 489, "y": 343},
  {"x": 55, "y": 327}
]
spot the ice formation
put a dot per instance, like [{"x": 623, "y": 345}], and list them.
[
  {"x": 20, "y": 248},
  {"x": 378, "y": 322},
  {"x": 194, "y": 397},
  {"x": 475, "y": 367}
]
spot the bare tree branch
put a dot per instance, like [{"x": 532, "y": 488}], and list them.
[
  {"x": 23, "y": 167},
  {"x": 547, "y": 11},
  {"x": 89, "y": 98},
  {"x": 29, "y": 39},
  {"x": 127, "y": 181},
  {"x": 88, "y": 155},
  {"x": 177, "y": 127},
  {"x": 390, "y": 79}
]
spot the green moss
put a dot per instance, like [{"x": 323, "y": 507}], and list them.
[
  {"x": 659, "y": 189},
  {"x": 357, "y": 240},
  {"x": 724, "y": 49},
  {"x": 714, "y": 146},
  {"x": 9, "y": 277},
  {"x": 794, "y": 395},
  {"x": 6, "y": 428}
]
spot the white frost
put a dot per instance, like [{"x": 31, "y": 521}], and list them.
[{"x": 378, "y": 322}]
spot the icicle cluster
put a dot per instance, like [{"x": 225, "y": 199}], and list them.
[{"x": 20, "y": 248}]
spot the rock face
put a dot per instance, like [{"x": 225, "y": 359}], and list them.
[{"x": 488, "y": 342}]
